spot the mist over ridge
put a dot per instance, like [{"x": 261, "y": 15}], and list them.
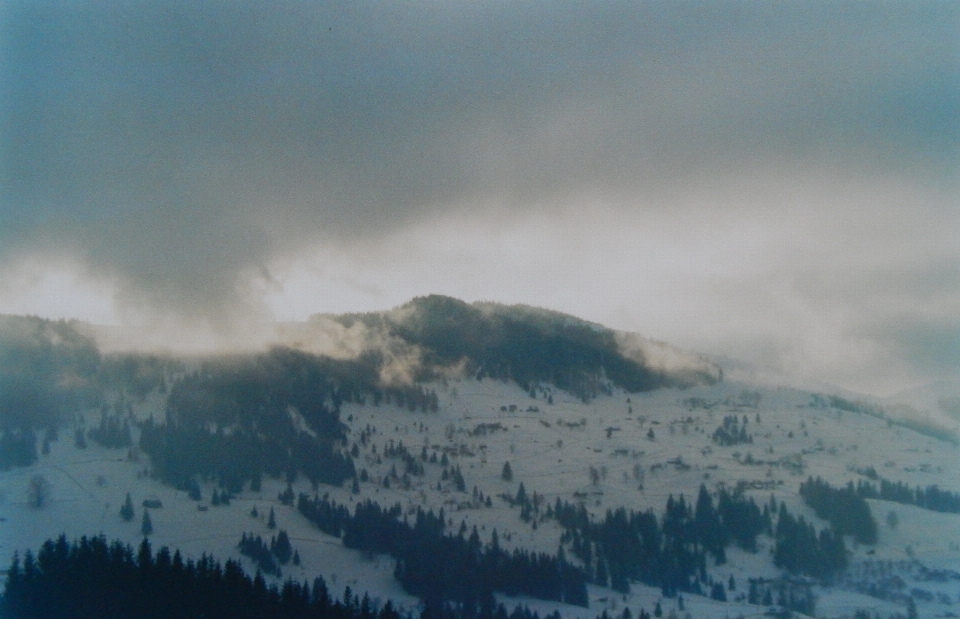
[{"x": 55, "y": 366}]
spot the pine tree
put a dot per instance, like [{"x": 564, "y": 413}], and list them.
[
  {"x": 146, "y": 526},
  {"x": 601, "y": 573},
  {"x": 126, "y": 512},
  {"x": 282, "y": 548},
  {"x": 271, "y": 520},
  {"x": 521, "y": 495},
  {"x": 911, "y": 608},
  {"x": 717, "y": 592},
  {"x": 507, "y": 473}
]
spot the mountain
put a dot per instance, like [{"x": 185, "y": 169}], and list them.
[{"x": 465, "y": 456}]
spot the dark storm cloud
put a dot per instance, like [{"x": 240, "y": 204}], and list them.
[{"x": 174, "y": 145}]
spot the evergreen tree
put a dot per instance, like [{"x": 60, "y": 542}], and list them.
[
  {"x": 126, "y": 512},
  {"x": 193, "y": 490},
  {"x": 271, "y": 520},
  {"x": 911, "y": 608},
  {"x": 601, "y": 573},
  {"x": 146, "y": 526},
  {"x": 708, "y": 526},
  {"x": 507, "y": 474},
  {"x": 281, "y": 548},
  {"x": 717, "y": 592},
  {"x": 844, "y": 508}
]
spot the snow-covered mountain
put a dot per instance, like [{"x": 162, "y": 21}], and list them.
[{"x": 442, "y": 405}]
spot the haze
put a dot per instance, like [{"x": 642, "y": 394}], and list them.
[{"x": 776, "y": 182}]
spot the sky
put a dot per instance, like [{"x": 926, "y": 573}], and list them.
[{"x": 775, "y": 182}]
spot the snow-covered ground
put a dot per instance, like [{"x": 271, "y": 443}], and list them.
[{"x": 551, "y": 448}]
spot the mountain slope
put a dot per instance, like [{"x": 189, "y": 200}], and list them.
[{"x": 698, "y": 465}]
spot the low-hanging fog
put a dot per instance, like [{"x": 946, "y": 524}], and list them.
[{"x": 772, "y": 182}]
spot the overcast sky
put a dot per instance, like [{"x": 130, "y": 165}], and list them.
[{"x": 774, "y": 181}]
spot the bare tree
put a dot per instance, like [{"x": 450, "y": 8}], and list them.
[
  {"x": 39, "y": 491},
  {"x": 892, "y": 520}
]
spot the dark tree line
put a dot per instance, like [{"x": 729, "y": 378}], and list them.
[
  {"x": 94, "y": 579},
  {"x": 522, "y": 344},
  {"x": 268, "y": 557},
  {"x": 411, "y": 397},
  {"x": 137, "y": 374},
  {"x": 442, "y": 567},
  {"x": 788, "y": 593},
  {"x": 669, "y": 552},
  {"x": 238, "y": 419},
  {"x": 113, "y": 430},
  {"x": 455, "y": 475},
  {"x": 931, "y": 497},
  {"x": 732, "y": 432},
  {"x": 412, "y": 464},
  {"x": 800, "y": 550},
  {"x": 844, "y": 508},
  {"x": 246, "y": 389},
  {"x": 180, "y": 453},
  {"x": 325, "y": 513},
  {"x": 261, "y": 390}
]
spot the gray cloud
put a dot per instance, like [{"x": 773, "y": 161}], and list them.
[{"x": 176, "y": 148}]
